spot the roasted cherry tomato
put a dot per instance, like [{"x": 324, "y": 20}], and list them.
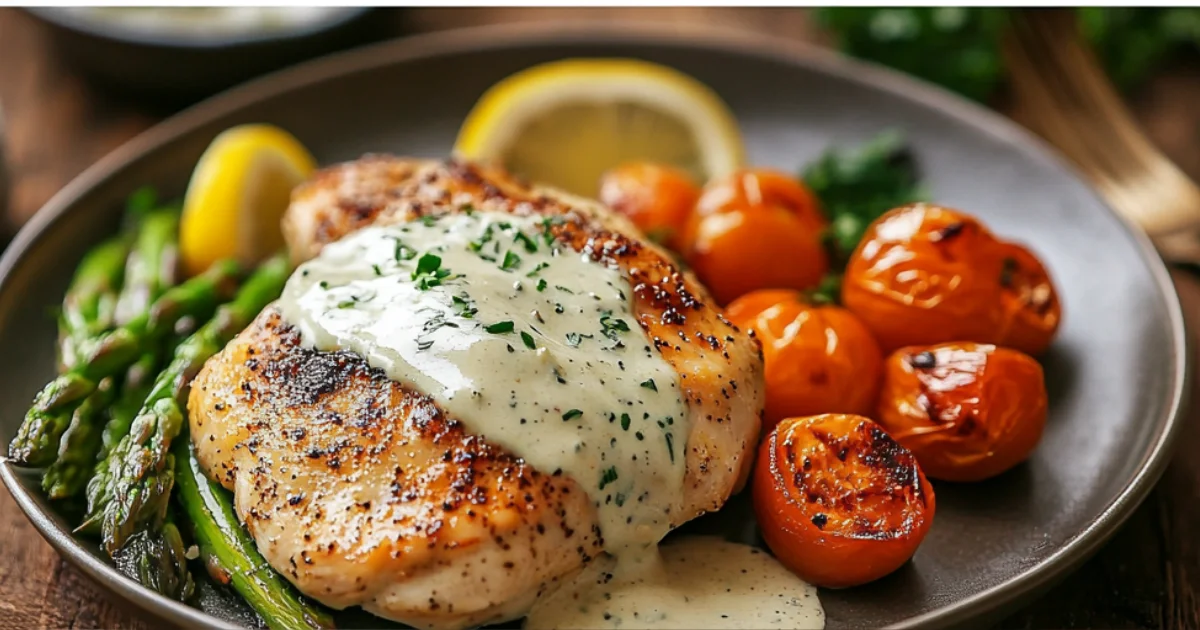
[
  {"x": 819, "y": 359},
  {"x": 968, "y": 411},
  {"x": 925, "y": 274},
  {"x": 838, "y": 501},
  {"x": 1030, "y": 306},
  {"x": 756, "y": 229},
  {"x": 657, "y": 198}
]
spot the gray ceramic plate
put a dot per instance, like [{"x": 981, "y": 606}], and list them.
[{"x": 1116, "y": 372}]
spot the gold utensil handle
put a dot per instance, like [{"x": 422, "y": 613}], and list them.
[{"x": 1062, "y": 93}]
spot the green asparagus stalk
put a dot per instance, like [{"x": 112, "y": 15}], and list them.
[
  {"x": 138, "y": 380},
  {"x": 143, "y": 477},
  {"x": 38, "y": 439},
  {"x": 90, "y": 303},
  {"x": 151, "y": 270},
  {"x": 68, "y": 475},
  {"x": 152, "y": 264},
  {"x": 222, "y": 539},
  {"x": 158, "y": 561}
]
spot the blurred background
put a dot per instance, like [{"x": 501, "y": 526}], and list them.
[{"x": 77, "y": 82}]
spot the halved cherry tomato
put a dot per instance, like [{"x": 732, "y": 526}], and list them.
[
  {"x": 1031, "y": 310},
  {"x": 755, "y": 229},
  {"x": 839, "y": 502},
  {"x": 968, "y": 411},
  {"x": 925, "y": 274},
  {"x": 656, "y": 197},
  {"x": 819, "y": 359}
]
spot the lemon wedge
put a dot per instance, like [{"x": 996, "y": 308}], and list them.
[
  {"x": 237, "y": 195},
  {"x": 564, "y": 123}
]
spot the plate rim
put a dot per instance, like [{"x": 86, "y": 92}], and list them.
[{"x": 622, "y": 31}]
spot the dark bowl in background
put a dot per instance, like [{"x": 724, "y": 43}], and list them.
[{"x": 174, "y": 71}]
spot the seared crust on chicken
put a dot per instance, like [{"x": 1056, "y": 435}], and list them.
[{"x": 362, "y": 491}]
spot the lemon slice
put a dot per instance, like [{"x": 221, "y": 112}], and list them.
[
  {"x": 237, "y": 195},
  {"x": 566, "y": 122}
]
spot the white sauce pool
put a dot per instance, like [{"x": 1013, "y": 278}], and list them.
[
  {"x": 527, "y": 342},
  {"x": 700, "y": 582}
]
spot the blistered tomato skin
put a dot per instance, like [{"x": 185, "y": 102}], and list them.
[
  {"x": 924, "y": 274},
  {"x": 658, "y": 198},
  {"x": 968, "y": 411},
  {"x": 838, "y": 501},
  {"x": 755, "y": 229},
  {"x": 819, "y": 358},
  {"x": 1031, "y": 309}
]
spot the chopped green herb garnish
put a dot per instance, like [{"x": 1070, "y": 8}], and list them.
[
  {"x": 564, "y": 289},
  {"x": 347, "y": 303},
  {"x": 625, "y": 420},
  {"x": 541, "y": 285},
  {"x": 572, "y": 414},
  {"x": 378, "y": 272},
  {"x": 429, "y": 220},
  {"x": 323, "y": 284},
  {"x": 429, "y": 273},
  {"x": 574, "y": 339},
  {"x": 611, "y": 325},
  {"x": 527, "y": 339},
  {"x": 464, "y": 305},
  {"x": 511, "y": 261},
  {"x": 608, "y": 477},
  {"x": 671, "y": 446},
  {"x": 427, "y": 264},
  {"x": 649, "y": 384},
  {"x": 404, "y": 252},
  {"x": 523, "y": 238},
  {"x": 499, "y": 327},
  {"x": 540, "y": 266}
]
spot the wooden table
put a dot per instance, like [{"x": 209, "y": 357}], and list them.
[{"x": 1148, "y": 576}]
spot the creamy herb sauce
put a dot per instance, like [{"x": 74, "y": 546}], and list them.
[
  {"x": 527, "y": 342},
  {"x": 699, "y": 582}
]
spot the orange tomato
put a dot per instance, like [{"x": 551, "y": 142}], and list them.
[
  {"x": 819, "y": 359},
  {"x": 656, "y": 197},
  {"x": 968, "y": 411},
  {"x": 756, "y": 229},
  {"x": 925, "y": 274},
  {"x": 839, "y": 502},
  {"x": 1030, "y": 306}
]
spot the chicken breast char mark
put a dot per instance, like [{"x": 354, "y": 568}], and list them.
[{"x": 362, "y": 491}]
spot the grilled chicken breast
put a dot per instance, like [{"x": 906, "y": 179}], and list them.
[{"x": 362, "y": 491}]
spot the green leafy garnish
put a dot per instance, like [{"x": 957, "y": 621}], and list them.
[
  {"x": 511, "y": 261},
  {"x": 856, "y": 186},
  {"x": 649, "y": 384},
  {"x": 571, "y": 414},
  {"x": 527, "y": 339},
  {"x": 499, "y": 328},
  {"x": 429, "y": 273},
  {"x": 608, "y": 476}
]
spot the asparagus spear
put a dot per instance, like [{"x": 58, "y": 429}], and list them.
[
  {"x": 151, "y": 269},
  {"x": 90, "y": 302},
  {"x": 80, "y": 443},
  {"x": 222, "y": 539},
  {"x": 157, "y": 560},
  {"x": 37, "y": 441},
  {"x": 138, "y": 380},
  {"x": 151, "y": 266},
  {"x": 143, "y": 476}
]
